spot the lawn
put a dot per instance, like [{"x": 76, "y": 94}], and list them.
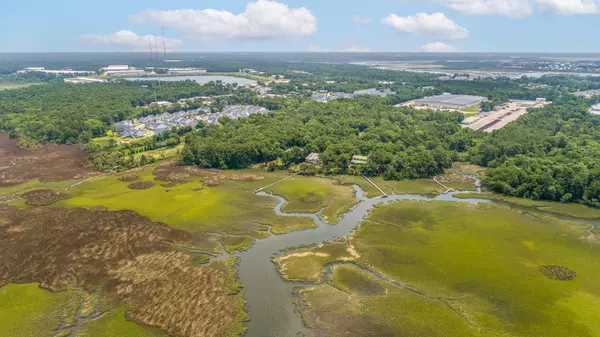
[{"x": 438, "y": 265}]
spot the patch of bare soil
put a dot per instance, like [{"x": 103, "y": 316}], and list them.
[
  {"x": 49, "y": 162},
  {"x": 129, "y": 177},
  {"x": 175, "y": 174},
  {"x": 43, "y": 197},
  {"x": 141, "y": 185},
  {"x": 127, "y": 256},
  {"x": 172, "y": 173},
  {"x": 215, "y": 180}
]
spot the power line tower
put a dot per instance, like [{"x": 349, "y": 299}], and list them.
[
  {"x": 164, "y": 45},
  {"x": 156, "y": 47},
  {"x": 150, "y": 40}
]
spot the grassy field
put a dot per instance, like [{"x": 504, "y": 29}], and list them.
[
  {"x": 26, "y": 310},
  {"x": 453, "y": 269},
  {"x": 114, "y": 323},
  {"x": 311, "y": 194},
  {"x": 356, "y": 303},
  {"x": 227, "y": 208},
  {"x": 308, "y": 264},
  {"x": 570, "y": 209}
]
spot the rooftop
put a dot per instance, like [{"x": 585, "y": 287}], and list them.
[{"x": 452, "y": 99}]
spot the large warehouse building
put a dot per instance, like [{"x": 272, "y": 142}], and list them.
[{"x": 450, "y": 101}]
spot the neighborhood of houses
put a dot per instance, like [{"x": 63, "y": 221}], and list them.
[
  {"x": 157, "y": 124},
  {"x": 324, "y": 96}
]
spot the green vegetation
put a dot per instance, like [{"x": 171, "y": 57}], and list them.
[
  {"x": 110, "y": 155},
  {"x": 114, "y": 323},
  {"x": 66, "y": 113},
  {"x": 16, "y": 86},
  {"x": 311, "y": 195},
  {"x": 307, "y": 264},
  {"x": 230, "y": 207},
  {"x": 401, "y": 143},
  {"x": 26, "y": 310},
  {"x": 570, "y": 209},
  {"x": 423, "y": 259},
  {"x": 377, "y": 308},
  {"x": 236, "y": 243},
  {"x": 416, "y": 186},
  {"x": 549, "y": 154}
]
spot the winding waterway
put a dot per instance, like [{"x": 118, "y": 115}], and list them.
[{"x": 270, "y": 300}]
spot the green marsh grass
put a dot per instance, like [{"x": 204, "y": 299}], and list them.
[
  {"x": 484, "y": 258},
  {"x": 27, "y": 310}
]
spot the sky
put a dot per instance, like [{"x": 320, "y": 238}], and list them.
[{"x": 545, "y": 26}]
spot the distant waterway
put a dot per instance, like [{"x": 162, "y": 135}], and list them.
[
  {"x": 198, "y": 79},
  {"x": 270, "y": 301}
]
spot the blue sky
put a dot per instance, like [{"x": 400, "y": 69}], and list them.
[{"x": 324, "y": 25}]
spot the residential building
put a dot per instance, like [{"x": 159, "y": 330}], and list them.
[
  {"x": 374, "y": 92},
  {"x": 314, "y": 159}
]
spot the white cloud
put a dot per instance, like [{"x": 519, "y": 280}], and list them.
[
  {"x": 360, "y": 20},
  {"x": 436, "y": 25},
  {"x": 130, "y": 40},
  {"x": 262, "y": 19},
  {"x": 522, "y": 8},
  {"x": 570, "y": 7},
  {"x": 439, "y": 47},
  {"x": 511, "y": 8}
]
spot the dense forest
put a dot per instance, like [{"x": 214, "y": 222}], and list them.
[
  {"x": 552, "y": 153},
  {"x": 401, "y": 143}
]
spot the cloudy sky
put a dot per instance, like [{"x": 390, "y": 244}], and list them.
[{"x": 302, "y": 25}]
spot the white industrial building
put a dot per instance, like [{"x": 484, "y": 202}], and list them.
[
  {"x": 121, "y": 70},
  {"x": 448, "y": 101},
  {"x": 56, "y": 72},
  {"x": 116, "y": 67},
  {"x": 80, "y": 80},
  {"x": 176, "y": 71}
]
